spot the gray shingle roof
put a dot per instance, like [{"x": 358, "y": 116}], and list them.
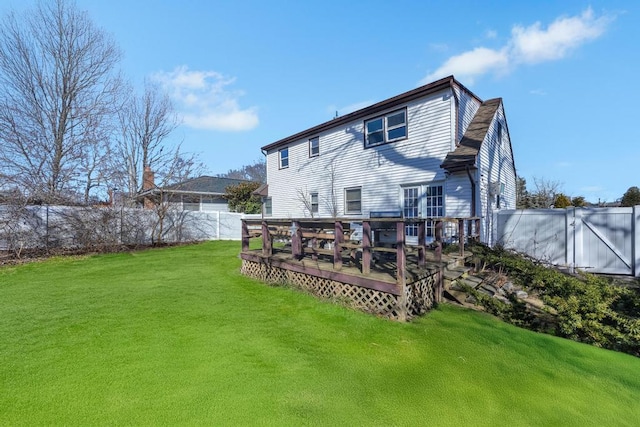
[
  {"x": 466, "y": 152},
  {"x": 205, "y": 184}
]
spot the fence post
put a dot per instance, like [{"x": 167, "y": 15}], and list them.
[
  {"x": 218, "y": 225},
  {"x": 578, "y": 258},
  {"x": 635, "y": 243},
  {"x": 366, "y": 247},
  {"x": 570, "y": 233}
]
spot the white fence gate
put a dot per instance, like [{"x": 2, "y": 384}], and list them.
[{"x": 597, "y": 240}]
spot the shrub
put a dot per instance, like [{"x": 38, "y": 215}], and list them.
[{"x": 588, "y": 308}]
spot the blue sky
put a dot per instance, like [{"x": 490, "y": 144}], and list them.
[{"x": 247, "y": 73}]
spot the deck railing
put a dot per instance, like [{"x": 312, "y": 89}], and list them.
[{"x": 328, "y": 237}]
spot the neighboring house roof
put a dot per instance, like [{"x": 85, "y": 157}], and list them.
[
  {"x": 447, "y": 82},
  {"x": 464, "y": 156},
  {"x": 204, "y": 185}
]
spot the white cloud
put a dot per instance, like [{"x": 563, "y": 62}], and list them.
[
  {"x": 538, "y": 92},
  {"x": 528, "y": 45},
  {"x": 491, "y": 34},
  {"x": 468, "y": 65},
  {"x": 204, "y": 101}
]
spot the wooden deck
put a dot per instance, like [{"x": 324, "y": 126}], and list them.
[{"x": 322, "y": 257}]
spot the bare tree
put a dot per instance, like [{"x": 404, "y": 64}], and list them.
[
  {"x": 331, "y": 200},
  {"x": 545, "y": 192},
  {"x": 145, "y": 123},
  {"x": 56, "y": 77},
  {"x": 180, "y": 168},
  {"x": 256, "y": 171}
]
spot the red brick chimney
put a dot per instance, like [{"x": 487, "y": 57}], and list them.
[{"x": 148, "y": 183}]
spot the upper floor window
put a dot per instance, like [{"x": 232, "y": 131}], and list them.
[
  {"x": 353, "y": 200},
  {"x": 314, "y": 202},
  {"x": 284, "y": 158},
  {"x": 314, "y": 147},
  {"x": 388, "y": 128}
]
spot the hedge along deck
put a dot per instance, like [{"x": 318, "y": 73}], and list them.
[{"x": 389, "y": 279}]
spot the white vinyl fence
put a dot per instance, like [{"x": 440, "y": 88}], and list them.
[
  {"x": 597, "y": 240},
  {"x": 71, "y": 227}
]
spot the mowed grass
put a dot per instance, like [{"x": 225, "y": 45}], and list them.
[{"x": 177, "y": 336}]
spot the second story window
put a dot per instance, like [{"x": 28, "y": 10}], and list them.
[
  {"x": 314, "y": 147},
  {"x": 284, "y": 158},
  {"x": 314, "y": 202},
  {"x": 388, "y": 128}
]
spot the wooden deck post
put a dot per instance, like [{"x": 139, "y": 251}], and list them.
[
  {"x": 401, "y": 260},
  {"x": 337, "y": 245},
  {"x": 366, "y": 247},
  {"x": 461, "y": 236},
  {"x": 477, "y": 224},
  {"x": 296, "y": 240},
  {"x": 439, "y": 259},
  {"x": 421, "y": 240},
  {"x": 267, "y": 247},
  {"x": 245, "y": 236}
]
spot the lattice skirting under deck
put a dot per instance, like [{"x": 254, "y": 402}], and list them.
[{"x": 419, "y": 295}]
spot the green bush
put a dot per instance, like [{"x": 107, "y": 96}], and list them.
[{"x": 587, "y": 308}]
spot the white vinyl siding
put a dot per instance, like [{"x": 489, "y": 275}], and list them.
[
  {"x": 380, "y": 170},
  {"x": 467, "y": 108}
]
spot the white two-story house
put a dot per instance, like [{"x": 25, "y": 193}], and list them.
[{"x": 435, "y": 151}]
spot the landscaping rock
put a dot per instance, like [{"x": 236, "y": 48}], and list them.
[
  {"x": 508, "y": 287},
  {"x": 521, "y": 294}
]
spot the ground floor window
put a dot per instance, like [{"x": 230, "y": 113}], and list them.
[
  {"x": 353, "y": 200},
  {"x": 268, "y": 207}
]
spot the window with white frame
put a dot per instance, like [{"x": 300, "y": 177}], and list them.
[
  {"x": 268, "y": 206},
  {"x": 283, "y": 155},
  {"x": 434, "y": 206},
  {"x": 314, "y": 147},
  {"x": 314, "y": 202},
  {"x": 388, "y": 128},
  {"x": 353, "y": 200}
]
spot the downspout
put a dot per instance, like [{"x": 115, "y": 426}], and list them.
[{"x": 473, "y": 191}]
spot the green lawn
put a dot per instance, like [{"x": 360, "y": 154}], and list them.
[{"x": 177, "y": 336}]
